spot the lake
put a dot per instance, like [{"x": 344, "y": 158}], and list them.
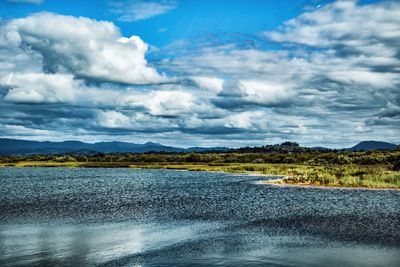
[{"x": 133, "y": 217}]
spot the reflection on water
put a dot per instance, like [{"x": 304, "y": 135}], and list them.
[
  {"x": 77, "y": 244},
  {"x": 122, "y": 217},
  {"x": 122, "y": 244}
]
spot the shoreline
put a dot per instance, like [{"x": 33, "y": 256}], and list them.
[
  {"x": 276, "y": 182},
  {"x": 281, "y": 183},
  {"x": 195, "y": 167}
]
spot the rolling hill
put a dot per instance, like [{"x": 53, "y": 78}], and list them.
[
  {"x": 25, "y": 147},
  {"x": 373, "y": 145}
]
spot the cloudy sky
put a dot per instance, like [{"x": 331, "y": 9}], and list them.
[{"x": 201, "y": 73}]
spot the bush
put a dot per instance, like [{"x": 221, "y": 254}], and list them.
[{"x": 396, "y": 165}]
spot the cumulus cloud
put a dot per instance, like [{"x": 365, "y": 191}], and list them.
[
  {"x": 339, "y": 62},
  {"x": 331, "y": 79},
  {"x": 249, "y": 120},
  {"x": 113, "y": 119},
  {"x": 361, "y": 47},
  {"x": 40, "y": 87},
  {"x": 161, "y": 103},
  {"x": 127, "y": 122},
  {"x": 346, "y": 27},
  {"x": 242, "y": 94},
  {"x": 226, "y": 61},
  {"x": 133, "y": 10},
  {"x": 213, "y": 84},
  {"x": 87, "y": 48}
]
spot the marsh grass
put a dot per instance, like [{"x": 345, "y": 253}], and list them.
[{"x": 375, "y": 176}]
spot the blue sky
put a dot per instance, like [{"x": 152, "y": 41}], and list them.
[
  {"x": 200, "y": 72},
  {"x": 187, "y": 18}
]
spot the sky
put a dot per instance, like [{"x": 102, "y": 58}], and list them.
[{"x": 201, "y": 73}]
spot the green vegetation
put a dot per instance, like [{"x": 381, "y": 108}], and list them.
[
  {"x": 372, "y": 169},
  {"x": 330, "y": 175}
]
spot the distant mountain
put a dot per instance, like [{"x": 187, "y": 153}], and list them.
[
  {"x": 25, "y": 147},
  {"x": 373, "y": 145}
]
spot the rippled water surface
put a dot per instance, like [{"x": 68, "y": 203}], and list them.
[{"x": 128, "y": 217}]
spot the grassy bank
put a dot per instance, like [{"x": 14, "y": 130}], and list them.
[
  {"x": 337, "y": 176},
  {"x": 350, "y": 175}
]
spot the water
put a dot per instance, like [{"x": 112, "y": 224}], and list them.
[{"x": 128, "y": 217}]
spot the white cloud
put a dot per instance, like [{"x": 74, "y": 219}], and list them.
[
  {"x": 133, "y": 121},
  {"x": 20, "y": 130},
  {"x": 343, "y": 23},
  {"x": 249, "y": 120},
  {"x": 162, "y": 103},
  {"x": 133, "y": 10},
  {"x": 222, "y": 94},
  {"x": 209, "y": 83},
  {"x": 168, "y": 102},
  {"x": 239, "y": 94},
  {"x": 40, "y": 87},
  {"x": 226, "y": 61},
  {"x": 87, "y": 48},
  {"x": 350, "y": 77},
  {"x": 113, "y": 119},
  {"x": 364, "y": 77},
  {"x": 265, "y": 93}
]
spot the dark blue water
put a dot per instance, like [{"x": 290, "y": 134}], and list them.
[{"x": 128, "y": 217}]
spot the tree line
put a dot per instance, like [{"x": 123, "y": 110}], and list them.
[{"x": 283, "y": 157}]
